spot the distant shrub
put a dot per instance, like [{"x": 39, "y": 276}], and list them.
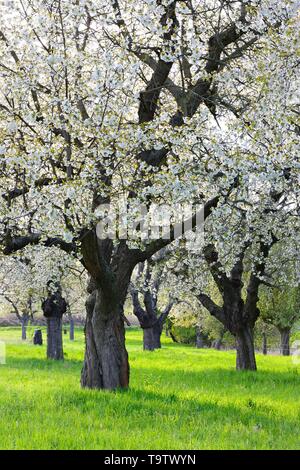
[{"x": 183, "y": 334}]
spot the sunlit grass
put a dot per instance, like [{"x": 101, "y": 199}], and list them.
[{"x": 180, "y": 398}]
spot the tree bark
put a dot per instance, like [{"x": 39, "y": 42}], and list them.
[
  {"x": 217, "y": 344},
  {"x": 54, "y": 307},
  {"x": 150, "y": 321},
  {"x": 285, "y": 341},
  {"x": 173, "y": 337},
  {"x": 38, "y": 337},
  {"x": 72, "y": 329},
  {"x": 54, "y": 338},
  {"x": 245, "y": 359},
  {"x": 265, "y": 344},
  {"x": 199, "y": 338},
  {"x": 24, "y": 329},
  {"x": 151, "y": 337},
  {"x": 106, "y": 360},
  {"x": 237, "y": 315}
]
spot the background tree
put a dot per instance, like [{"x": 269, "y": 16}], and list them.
[
  {"x": 266, "y": 335},
  {"x": 74, "y": 287},
  {"x": 24, "y": 313},
  {"x": 281, "y": 307},
  {"x": 54, "y": 306},
  {"x": 16, "y": 290},
  {"x": 149, "y": 282}
]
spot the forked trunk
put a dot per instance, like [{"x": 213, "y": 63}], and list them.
[
  {"x": 245, "y": 358},
  {"x": 106, "y": 360},
  {"x": 151, "y": 337},
  {"x": 54, "y": 338},
  {"x": 285, "y": 341}
]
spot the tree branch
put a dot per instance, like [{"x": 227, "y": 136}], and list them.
[{"x": 212, "y": 307}]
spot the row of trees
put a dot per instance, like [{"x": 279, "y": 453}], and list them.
[
  {"x": 156, "y": 301},
  {"x": 278, "y": 305},
  {"x": 160, "y": 102},
  {"x": 28, "y": 292}
]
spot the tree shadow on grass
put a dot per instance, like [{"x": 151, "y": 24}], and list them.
[
  {"x": 212, "y": 377},
  {"x": 218, "y": 384},
  {"x": 30, "y": 363},
  {"x": 208, "y": 377},
  {"x": 148, "y": 411},
  {"x": 232, "y": 400}
]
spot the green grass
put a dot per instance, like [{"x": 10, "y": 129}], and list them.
[{"x": 180, "y": 398}]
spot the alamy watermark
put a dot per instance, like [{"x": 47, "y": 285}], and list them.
[
  {"x": 2, "y": 352},
  {"x": 123, "y": 220}
]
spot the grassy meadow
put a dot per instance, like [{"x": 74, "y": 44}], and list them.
[{"x": 179, "y": 398}]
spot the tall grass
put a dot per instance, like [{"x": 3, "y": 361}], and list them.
[{"x": 179, "y": 398}]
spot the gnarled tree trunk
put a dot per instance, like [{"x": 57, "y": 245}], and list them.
[
  {"x": 151, "y": 337},
  {"x": 38, "y": 337},
  {"x": 285, "y": 341},
  {"x": 106, "y": 363},
  {"x": 150, "y": 319},
  {"x": 236, "y": 315},
  {"x": 245, "y": 358},
  {"x": 106, "y": 360},
  {"x": 54, "y": 338},
  {"x": 54, "y": 307}
]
